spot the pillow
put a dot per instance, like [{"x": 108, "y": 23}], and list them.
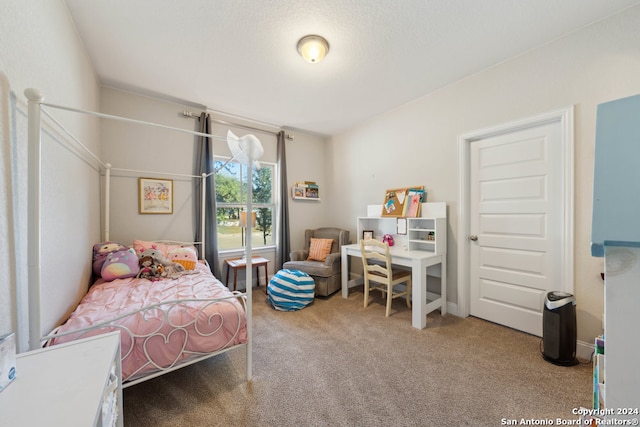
[
  {"x": 186, "y": 256},
  {"x": 142, "y": 245},
  {"x": 100, "y": 253},
  {"x": 319, "y": 249},
  {"x": 119, "y": 265}
]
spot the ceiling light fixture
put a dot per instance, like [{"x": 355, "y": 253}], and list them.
[{"x": 313, "y": 48}]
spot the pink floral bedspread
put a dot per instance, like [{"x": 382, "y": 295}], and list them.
[{"x": 168, "y": 337}]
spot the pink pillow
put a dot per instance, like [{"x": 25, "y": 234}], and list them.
[{"x": 142, "y": 245}]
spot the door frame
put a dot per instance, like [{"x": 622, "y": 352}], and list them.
[{"x": 566, "y": 118}]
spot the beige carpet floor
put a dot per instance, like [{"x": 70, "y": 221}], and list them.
[{"x": 335, "y": 363}]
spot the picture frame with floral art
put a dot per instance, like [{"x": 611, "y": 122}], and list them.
[{"x": 155, "y": 196}]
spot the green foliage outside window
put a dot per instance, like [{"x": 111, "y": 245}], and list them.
[{"x": 231, "y": 196}]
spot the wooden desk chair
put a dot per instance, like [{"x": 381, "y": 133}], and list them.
[{"x": 376, "y": 263}]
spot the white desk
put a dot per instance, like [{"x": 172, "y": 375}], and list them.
[{"x": 420, "y": 262}]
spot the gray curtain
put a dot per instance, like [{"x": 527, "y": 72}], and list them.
[
  {"x": 283, "y": 241},
  {"x": 204, "y": 164}
]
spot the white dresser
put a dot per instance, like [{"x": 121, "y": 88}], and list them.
[{"x": 74, "y": 384}]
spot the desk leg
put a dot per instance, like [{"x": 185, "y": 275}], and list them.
[
  {"x": 419, "y": 290},
  {"x": 345, "y": 274}
]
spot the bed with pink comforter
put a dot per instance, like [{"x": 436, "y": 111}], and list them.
[{"x": 164, "y": 323}]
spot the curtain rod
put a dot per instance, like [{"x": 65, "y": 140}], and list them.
[{"x": 186, "y": 113}]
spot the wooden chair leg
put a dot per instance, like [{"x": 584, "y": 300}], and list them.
[
  {"x": 366, "y": 293},
  {"x": 408, "y": 295},
  {"x": 389, "y": 299}
]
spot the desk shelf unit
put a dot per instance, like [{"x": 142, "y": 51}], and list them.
[{"x": 425, "y": 233}]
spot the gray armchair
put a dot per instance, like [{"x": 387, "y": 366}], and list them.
[{"x": 327, "y": 274}]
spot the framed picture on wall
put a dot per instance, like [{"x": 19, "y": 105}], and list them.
[
  {"x": 155, "y": 196},
  {"x": 367, "y": 234}
]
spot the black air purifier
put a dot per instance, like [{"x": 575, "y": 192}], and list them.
[{"x": 559, "y": 329}]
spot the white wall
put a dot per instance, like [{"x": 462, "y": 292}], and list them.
[
  {"x": 306, "y": 161},
  {"x": 39, "y": 48},
  {"x": 417, "y": 143}
]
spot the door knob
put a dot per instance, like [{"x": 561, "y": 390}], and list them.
[{"x": 473, "y": 237}]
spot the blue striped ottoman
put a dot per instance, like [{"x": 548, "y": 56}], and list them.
[{"x": 291, "y": 290}]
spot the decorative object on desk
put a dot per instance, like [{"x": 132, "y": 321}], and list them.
[
  {"x": 367, "y": 234},
  {"x": 388, "y": 239},
  {"x": 155, "y": 196},
  {"x": 403, "y": 202},
  {"x": 401, "y": 226}
]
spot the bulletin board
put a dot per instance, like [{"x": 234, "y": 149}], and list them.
[{"x": 404, "y": 202}]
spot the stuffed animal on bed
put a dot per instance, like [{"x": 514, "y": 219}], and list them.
[
  {"x": 149, "y": 269},
  {"x": 101, "y": 251},
  {"x": 119, "y": 265},
  {"x": 170, "y": 269},
  {"x": 184, "y": 256}
]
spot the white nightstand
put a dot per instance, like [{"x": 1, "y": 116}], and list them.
[{"x": 66, "y": 385}]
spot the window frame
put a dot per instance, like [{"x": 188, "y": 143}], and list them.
[{"x": 242, "y": 204}]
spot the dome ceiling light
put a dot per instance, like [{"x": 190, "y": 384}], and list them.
[{"x": 313, "y": 48}]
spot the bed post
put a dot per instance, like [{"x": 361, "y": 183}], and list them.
[
  {"x": 33, "y": 224},
  {"x": 203, "y": 216},
  {"x": 107, "y": 200},
  {"x": 249, "y": 271}
]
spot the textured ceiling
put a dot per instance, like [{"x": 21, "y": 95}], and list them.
[{"x": 239, "y": 56}]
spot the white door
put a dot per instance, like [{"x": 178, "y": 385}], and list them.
[{"x": 515, "y": 225}]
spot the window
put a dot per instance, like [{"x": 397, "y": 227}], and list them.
[{"x": 231, "y": 199}]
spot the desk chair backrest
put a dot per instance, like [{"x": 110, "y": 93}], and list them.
[
  {"x": 376, "y": 263},
  {"x": 376, "y": 260}
]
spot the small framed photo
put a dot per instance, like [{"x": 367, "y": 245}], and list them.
[
  {"x": 367, "y": 234},
  {"x": 155, "y": 196}
]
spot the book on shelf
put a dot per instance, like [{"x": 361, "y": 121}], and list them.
[{"x": 306, "y": 189}]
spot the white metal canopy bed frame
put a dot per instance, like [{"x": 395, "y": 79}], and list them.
[{"x": 246, "y": 150}]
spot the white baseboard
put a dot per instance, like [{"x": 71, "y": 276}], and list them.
[{"x": 584, "y": 350}]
